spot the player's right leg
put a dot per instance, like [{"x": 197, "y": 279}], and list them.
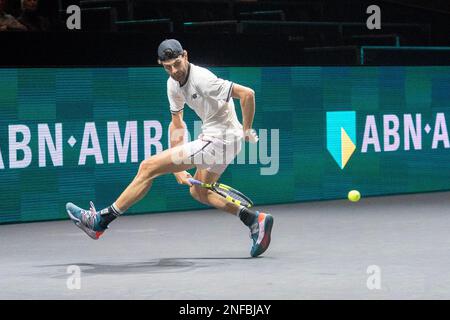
[
  {"x": 209, "y": 197},
  {"x": 259, "y": 223},
  {"x": 94, "y": 223}
]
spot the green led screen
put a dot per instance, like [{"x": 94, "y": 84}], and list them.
[{"x": 79, "y": 134}]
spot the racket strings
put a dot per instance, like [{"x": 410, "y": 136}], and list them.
[{"x": 236, "y": 196}]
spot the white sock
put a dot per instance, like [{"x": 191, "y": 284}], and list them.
[{"x": 116, "y": 209}]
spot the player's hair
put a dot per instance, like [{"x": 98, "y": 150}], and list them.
[{"x": 169, "y": 54}]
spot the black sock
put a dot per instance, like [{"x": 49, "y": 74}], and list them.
[
  {"x": 247, "y": 216},
  {"x": 108, "y": 215}
]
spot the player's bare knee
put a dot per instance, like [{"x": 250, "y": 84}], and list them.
[
  {"x": 198, "y": 194},
  {"x": 209, "y": 194},
  {"x": 147, "y": 168},
  {"x": 194, "y": 193},
  {"x": 203, "y": 194}
]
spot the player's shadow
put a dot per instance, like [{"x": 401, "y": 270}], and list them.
[{"x": 165, "y": 265}]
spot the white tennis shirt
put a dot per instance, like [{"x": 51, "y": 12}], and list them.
[{"x": 210, "y": 98}]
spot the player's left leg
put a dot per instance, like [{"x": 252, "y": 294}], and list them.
[
  {"x": 94, "y": 223},
  {"x": 260, "y": 223}
]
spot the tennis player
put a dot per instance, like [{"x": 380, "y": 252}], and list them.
[{"x": 220, "y": 141}]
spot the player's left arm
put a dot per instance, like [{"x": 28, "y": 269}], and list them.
[
  {"x": 247, "y": 99},
  {"x": 220, "y": 89}
]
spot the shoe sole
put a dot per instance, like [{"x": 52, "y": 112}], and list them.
[
  {"x": 265, "y": 242},
  {"x": 92, "y": 234}
]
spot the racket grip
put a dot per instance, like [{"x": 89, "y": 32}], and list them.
[{"x": 193, "y": 181}]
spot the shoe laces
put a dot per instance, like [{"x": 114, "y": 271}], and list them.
[
  {"x": 254, "y": 229},
  {"x": 88, "y": 216}
]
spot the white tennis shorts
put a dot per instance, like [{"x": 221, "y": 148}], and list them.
[{"x": 212, "y": 154}]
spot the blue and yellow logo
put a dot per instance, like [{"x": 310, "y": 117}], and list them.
[{"x": 341, "y": 135}]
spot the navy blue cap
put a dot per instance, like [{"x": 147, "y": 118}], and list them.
[{"x": 169, "y": 49}]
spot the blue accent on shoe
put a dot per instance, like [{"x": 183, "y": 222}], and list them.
[
  {"x": 260, "y": 232},
  {"x": 86, "y": 220}
]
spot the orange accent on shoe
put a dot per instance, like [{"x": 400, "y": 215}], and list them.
[
  {"x": 261, "y": 216},
  {"x": 98, "y": 234}
]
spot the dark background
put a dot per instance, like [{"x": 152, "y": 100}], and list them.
[{"x": 234, "y": 33}]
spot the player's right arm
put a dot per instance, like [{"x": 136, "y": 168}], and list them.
[
  {"x": 176, "y": 106},
  {"x": 177, "y": 129}
]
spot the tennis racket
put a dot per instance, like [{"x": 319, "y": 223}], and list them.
[{"x": 229, "y": 193}]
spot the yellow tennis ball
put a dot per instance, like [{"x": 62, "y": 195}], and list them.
[{"x": 354, "y": 196}]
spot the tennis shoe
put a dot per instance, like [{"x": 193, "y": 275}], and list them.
[
  {"x": 86, "y": 220},
  {"x": 260, "y": 232}
]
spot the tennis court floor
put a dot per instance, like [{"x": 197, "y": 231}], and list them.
[{"x": 319, "y": 250}]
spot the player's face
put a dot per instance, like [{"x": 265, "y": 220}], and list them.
[{"x": 177, "y": 68}]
